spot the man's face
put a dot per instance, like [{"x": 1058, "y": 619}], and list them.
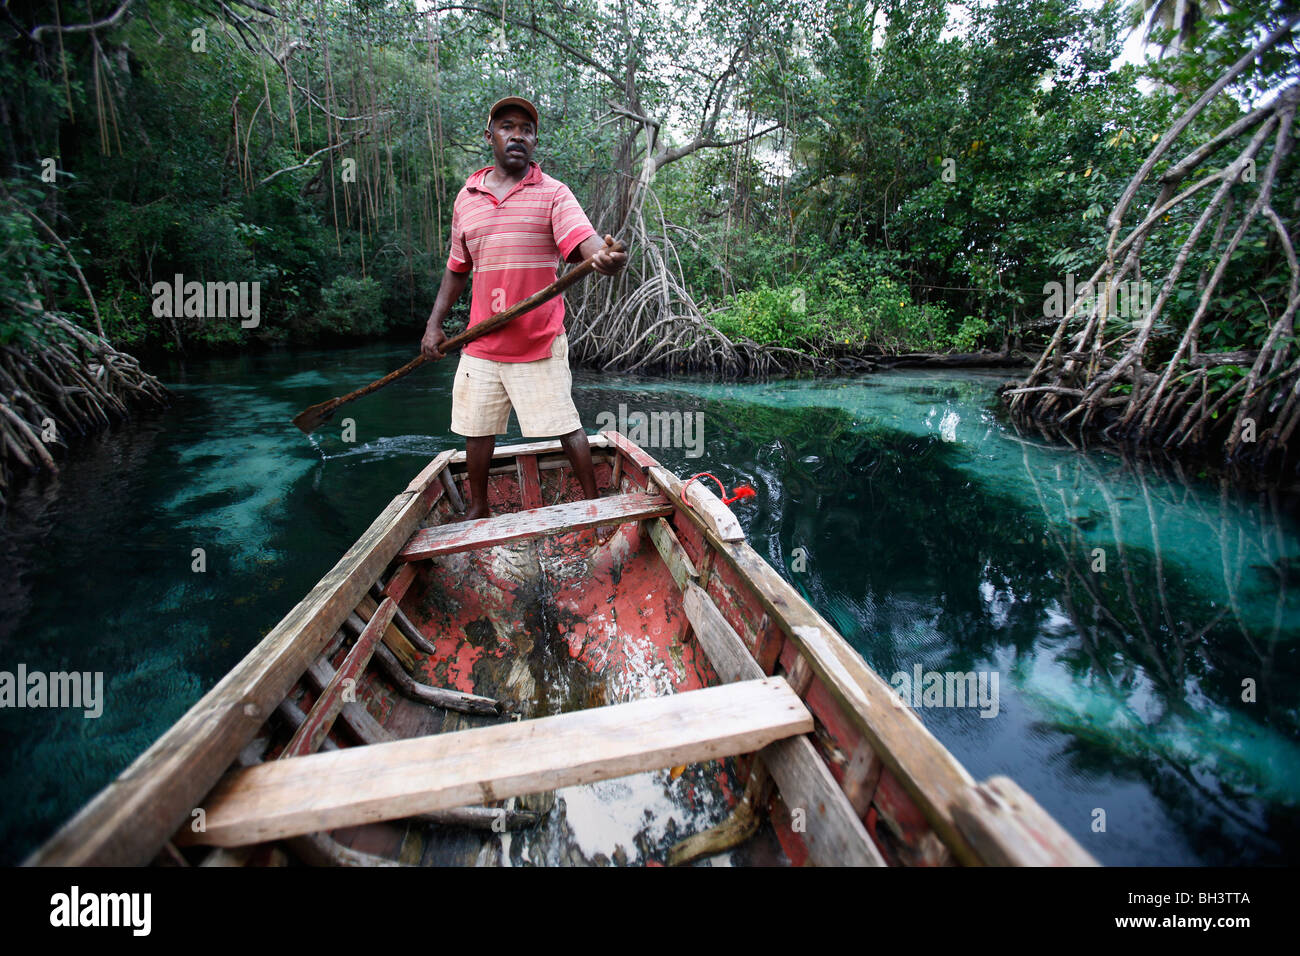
[{"x": 513, "y": 137}]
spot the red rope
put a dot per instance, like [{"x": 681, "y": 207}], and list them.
[{"x": 742, "y": 491}]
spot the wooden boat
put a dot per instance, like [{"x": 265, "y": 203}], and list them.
[{"x": 460, "y": 691}]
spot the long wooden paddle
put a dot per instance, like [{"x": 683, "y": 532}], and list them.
[{"x": 310, "y": 419}]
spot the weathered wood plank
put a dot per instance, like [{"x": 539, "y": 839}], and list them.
[
  {"x": 400, "y": 779},
  {"x": 399, "y": 583},
  {"x": 294, "y": 716},
  {"x": 392, "y": 636},
  {"x": 538, "y": 523},
  {"x": 674, "y": 555},
  {"x": 530, "y": 482},
  {"x": 724, "y": 647},
  {"x": 534, "y": 448},
  {"x": 551, "y": 463},
  {"x": 833, "y": 832},
  {"x": 307, "y": 738},
  {"x": 861, "y": 776},
  {"x": 429, "y": 474},
  {"x": 135, "y": 814},
  {"x": 359, "y": 721},
  {"x": 633, "y": 453},
  {"x": 705, "y": 503},
  {"x": 1009, "y": 828}
]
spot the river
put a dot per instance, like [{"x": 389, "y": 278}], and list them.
[{"x": 1140, "y": 627}]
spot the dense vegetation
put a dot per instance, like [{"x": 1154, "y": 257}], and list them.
[
  {"x": 917, "y": 187},
  {"x": 804, "y": 180}
]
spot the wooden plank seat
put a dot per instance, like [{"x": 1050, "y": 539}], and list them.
[
  {"x": 539, "y": 523},
  {"x": 387, "y": 781}
]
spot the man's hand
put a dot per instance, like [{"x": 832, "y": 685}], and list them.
[
  {"x": 432, "y": 343},
  {"x": 453, "y": 284},
  {"x": 608, "y": 262}
]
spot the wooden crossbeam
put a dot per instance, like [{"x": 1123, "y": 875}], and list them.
[
  {"x": 535, "y": 448},
  {"x": 538, "y": 523},
  {"x": 357, "y": 785},
  {"x": 834, "y": 834},
  {"x": 308, "y": 738}
]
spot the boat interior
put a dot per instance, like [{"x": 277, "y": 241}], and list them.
[{"x": 612, "y": 681}]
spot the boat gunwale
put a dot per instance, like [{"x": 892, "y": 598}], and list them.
[
  {"x": 120, "y": 825},
  {"x": 942, "y": 794},
  {"x": 132, "y": 817}
]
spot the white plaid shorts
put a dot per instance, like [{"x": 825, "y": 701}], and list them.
[{"x": 540, "y": 392}]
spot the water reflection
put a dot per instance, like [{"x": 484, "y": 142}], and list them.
[
  {"x": 1182, "y": 673},
  {"x": 930, "y": 532}
]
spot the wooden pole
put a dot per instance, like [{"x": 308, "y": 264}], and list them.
[{"x": 312, "y": 418}]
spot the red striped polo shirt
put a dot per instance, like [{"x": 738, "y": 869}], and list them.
[{"x": 514, "y": 246}]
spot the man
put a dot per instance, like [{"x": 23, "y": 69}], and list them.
[{"x": 510, "y": 226}]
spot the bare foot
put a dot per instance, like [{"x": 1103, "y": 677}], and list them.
[{"x": 476, "y": 512}]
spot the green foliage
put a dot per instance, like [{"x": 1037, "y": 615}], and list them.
[
  {"x": 23, "y": 256},
  {"x": 931, "y": 173},
  {"x": 970, "y": 333},
  {"x": 126, "y": 313},
  {"x": 848, "y": 303},
  {"x": 353, "y": 306},
  {"x": 769, "y": 317}
]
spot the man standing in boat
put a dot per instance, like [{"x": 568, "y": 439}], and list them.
[{"x": 510, "y": 226}]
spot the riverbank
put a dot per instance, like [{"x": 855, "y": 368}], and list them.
[{"x": 61, "y": 384}]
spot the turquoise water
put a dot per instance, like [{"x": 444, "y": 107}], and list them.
[{"x": 931, "y": 534}]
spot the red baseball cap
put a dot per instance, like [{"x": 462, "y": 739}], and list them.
[{"x": 518, "y": 101}]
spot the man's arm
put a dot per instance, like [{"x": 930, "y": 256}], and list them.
[
  {"x": 608, "y": 263},
  {"x": 453, "y": 284}
]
